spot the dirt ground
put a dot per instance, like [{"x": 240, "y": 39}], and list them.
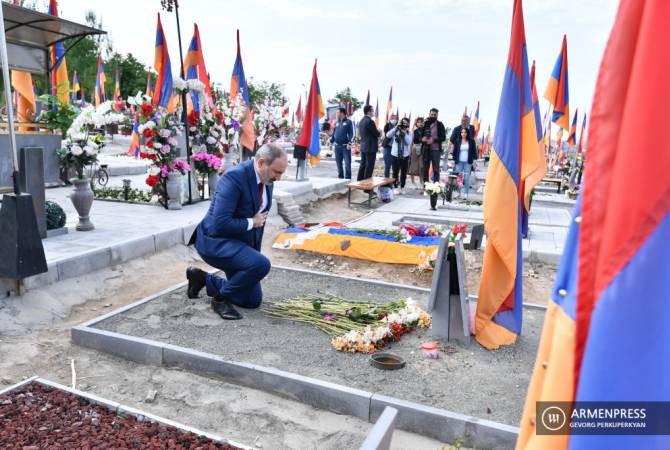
[{"x": 35, "y": 340}]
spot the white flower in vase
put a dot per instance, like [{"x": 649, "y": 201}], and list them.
[
  {"x": 179, "y": 84},
  {"x": 210, "y": 140},
  {"x": 76, "y": 150},
  {"x": 90, "y": 150},
  {"x": 154, "y": 170}
]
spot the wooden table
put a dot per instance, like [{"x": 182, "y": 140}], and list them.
[{"x": 368, "y": 185}]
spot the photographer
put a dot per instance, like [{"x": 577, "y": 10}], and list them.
[
  {"x": 401, "y": 139},
  {"x": 386, "y": 145},
  {"x": 433, "y": 137}
]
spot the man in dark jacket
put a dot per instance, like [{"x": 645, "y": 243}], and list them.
[
  {"x": 369, "y": 143},
  {"x": 342, "y": 136},
  {"x": 230, "y": 235},
  {"x": 434, "y": 136},
  {"x": 465, "y": 123}
]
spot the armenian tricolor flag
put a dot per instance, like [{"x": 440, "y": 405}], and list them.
[
  {"x": 309, "y": 135},
  {"x": 328, "y": 239},
  {"x": 547, "y": 135},
  {"x": 367, "y": 99},
  {"x": 238, "y": 82},
  {"x": 162, "y": 65},
  {"x": 60, "y": 84},
  {"x": 557, "y": 88},
  {"x": 513, "y": 157},
  {"x": 22, "y": 82},
  {"x": 194, "y": 68},
  {"x": 75, "y": 86},
  {"x": 475, "y": 120},
  {"x": 100, "y": 79},
  {"x": 149, "y": 92},
  {"x": 377, "y": 113},
  {"x": 581, "y": 135},
  {"x": 389, "y": 106},
  {"x": 559, "y": 138},
  {"x": 298, "y": 112},
  {"x": 605, "y": 335},
  {"x": 533, "y": 178},
  {"x": 572, "y": 136},
  {"x": 117, "y": 87},
  {"x": 135, "y": 139}
]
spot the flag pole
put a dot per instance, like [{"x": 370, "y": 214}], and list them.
[
  {"x": 8, "y": 101},
  {"x": 184, "y": 115}
]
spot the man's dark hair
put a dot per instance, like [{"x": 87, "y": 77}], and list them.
[
  {"x": 435, "y": 110},
  {"x": 343, "y": 111},
  {"x": 367, "y": 109}
]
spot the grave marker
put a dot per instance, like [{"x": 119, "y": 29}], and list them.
[{"x": 448, "y": 301}]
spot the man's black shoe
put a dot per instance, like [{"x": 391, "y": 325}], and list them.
[
  {"x": 225, "y": 309},
  {"x": 196, "y": 281}
]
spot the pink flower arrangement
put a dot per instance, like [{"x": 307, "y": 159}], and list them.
[{"x": 206, "y": 163}]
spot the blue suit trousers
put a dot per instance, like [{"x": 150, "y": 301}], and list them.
[{"x": 244, "y": 272}]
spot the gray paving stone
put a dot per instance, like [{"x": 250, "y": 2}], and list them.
[
  {"x": 125, "y": 251},
  {"x": 135, "y": 349},
  {"x": 84, "y": 263},
  {"x": 51, "y": 276},
  {"x": 169, "y": 238},
  {"x": 444, "y": 425},
  {"x": 188, "y": 230}
]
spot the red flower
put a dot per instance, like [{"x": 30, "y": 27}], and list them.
[
  {"x": 219, "y": 117},
  {"x": 149, "y": 143},
  {"x": 152, "y": 180},
  {"x": 148, "y": 132},
  {"x": 147, "y": 109},
  {"x": 193, "y": 117}
]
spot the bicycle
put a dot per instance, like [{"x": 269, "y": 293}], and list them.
[{"x": 99, "y": 175}]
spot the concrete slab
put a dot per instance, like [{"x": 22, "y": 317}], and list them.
[{"x": 139, "y": 350}]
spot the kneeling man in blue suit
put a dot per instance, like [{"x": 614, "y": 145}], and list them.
[{"x": 229, "y": 237}]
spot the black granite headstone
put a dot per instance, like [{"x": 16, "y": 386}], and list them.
[{"x": 31, "y": 180}]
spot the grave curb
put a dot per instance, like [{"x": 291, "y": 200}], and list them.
[
  {"x": 447, "y": 426},
  {"x": 121, "y": 409}
]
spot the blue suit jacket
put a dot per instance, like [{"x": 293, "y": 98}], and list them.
[{"x": 224, "y": 228}]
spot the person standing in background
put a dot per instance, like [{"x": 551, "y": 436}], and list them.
[
  {"x": 369, "y": 135},
  {"x": 464, "y": 153},
  {"x": 434, "y": 135},
  {"x": 342, "y": 137},
  {"x": 401, "y": 138},
  {"x": 386, "y": 144},
  {"x": 415, "y": 158}
]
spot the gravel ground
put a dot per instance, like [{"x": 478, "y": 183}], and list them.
[
  {"x": 35, "y": 417},
  {"x": 471, "y": 380}
]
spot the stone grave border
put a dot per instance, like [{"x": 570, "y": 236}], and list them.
[
  {"x": 121, "y": 410},
  {"x": 437, "y": 423}
]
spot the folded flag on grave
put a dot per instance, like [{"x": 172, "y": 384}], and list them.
[{"x": 394, "y": 247}]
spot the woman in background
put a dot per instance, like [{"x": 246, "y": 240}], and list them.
[{"x": 415, "y": 158}]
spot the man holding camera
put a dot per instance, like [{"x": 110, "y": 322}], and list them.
[
  {"x": 433, "y": 137},
  {"x": 342, "y": 136},
  {"x": 401, "y": 139}
]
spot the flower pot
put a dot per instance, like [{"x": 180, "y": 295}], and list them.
[
  {"x": 82, "y": 199},
  {"x": 212, "y": 180},
  {"x": 174, "y": 185},
  {"x": 433, "y": 202}
]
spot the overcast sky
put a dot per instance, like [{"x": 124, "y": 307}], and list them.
[{"x": 443, "y": 53}]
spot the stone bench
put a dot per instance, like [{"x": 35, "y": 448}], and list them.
[
  {"x": 557, "y": 181},
  {"x": 368, "y": 185}
]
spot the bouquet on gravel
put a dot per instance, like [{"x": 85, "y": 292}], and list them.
[{"x": 353, "y": 326}]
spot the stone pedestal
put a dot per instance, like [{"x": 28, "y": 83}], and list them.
[{"x": 31, "y": 180}]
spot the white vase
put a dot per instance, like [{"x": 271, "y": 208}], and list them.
[
  {"x": 174, "y": 186},
  {"x": 212, "y": 180}
]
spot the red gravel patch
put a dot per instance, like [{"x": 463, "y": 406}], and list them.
[{"x": 36, "y": 417}]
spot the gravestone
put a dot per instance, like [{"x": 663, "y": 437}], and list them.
[
  {"x": 31, "y": 180},
  {"x": 476, "y": 237},
  {"x": 448, "y": 301}
]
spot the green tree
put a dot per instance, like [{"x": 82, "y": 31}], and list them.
[
  {"x": 132, "y": 75},
  {"x": 266, "y": 93},
  {"x": 344, "y": 96}
]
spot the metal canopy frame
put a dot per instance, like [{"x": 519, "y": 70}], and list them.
[{"x": 28, "y": 28}]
